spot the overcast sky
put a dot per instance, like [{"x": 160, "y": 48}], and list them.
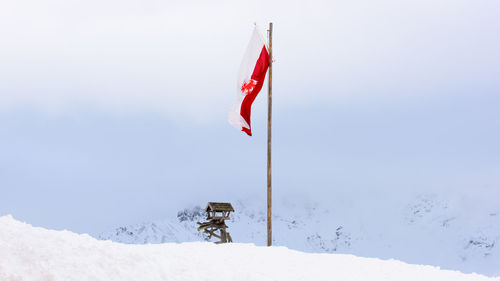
[{"x": 115, "y": 112}]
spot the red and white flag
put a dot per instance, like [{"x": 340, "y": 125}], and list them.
[{"x": 251, "y": 77}]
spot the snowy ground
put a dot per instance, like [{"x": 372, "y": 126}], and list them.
[{"x": 32, "y": 253}]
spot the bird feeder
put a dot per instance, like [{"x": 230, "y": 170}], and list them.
[{"x": 217, "y": 214}]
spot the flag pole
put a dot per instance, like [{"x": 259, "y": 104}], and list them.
[{"x": 269, "y": 115}]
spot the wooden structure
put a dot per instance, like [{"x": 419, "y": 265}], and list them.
[{"x": 217, "y": 214}]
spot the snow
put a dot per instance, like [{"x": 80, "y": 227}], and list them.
[{"x": 33, "y": 253}]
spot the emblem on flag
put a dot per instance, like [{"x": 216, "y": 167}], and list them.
[{"x": 248, "y": 87}]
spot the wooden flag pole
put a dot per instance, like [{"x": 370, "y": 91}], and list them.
[{"x": 269, "y": 115}]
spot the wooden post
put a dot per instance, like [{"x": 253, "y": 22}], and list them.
[{"x": 269, "y": 115}]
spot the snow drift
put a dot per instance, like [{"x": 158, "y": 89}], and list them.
[{"x": 32, "y": 253}]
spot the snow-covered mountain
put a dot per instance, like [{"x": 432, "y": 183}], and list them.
[{"x": 422, "y": 229}]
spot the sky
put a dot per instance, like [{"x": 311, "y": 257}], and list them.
[{"x": 115, "y": 112}]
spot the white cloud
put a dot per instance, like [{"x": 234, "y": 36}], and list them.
[{"x": 181, "y": 57}]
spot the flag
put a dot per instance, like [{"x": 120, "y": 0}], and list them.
[{"x": 251, "y": 77}]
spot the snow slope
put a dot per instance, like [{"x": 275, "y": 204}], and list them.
[
  {"x": 451, "y": 232},
  {"x": 32, "y": 253}
]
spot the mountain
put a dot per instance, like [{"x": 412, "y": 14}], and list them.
[{"x": 422, "y": 229}]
